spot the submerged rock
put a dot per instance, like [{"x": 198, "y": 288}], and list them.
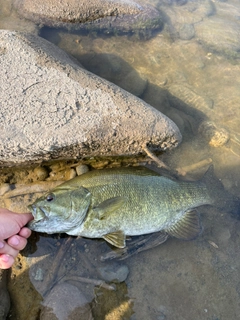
[
  {"x": 113, "y": 272},
  {"x": 219, "y": 36},
  {"x": 52, "y": 108},
  {"x": 186, "y": 31},
  {"x": 65, "y": 302},
  {"x": 181, "y": 20},
  {"x": 108, "y": 16},
  {"x": 215, "y": 136}
]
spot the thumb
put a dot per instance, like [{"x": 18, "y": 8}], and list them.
[
  {"x": 11, "y": 223},
  {"x": 23, "y": 218}
]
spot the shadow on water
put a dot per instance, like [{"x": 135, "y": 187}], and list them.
[{"x": 114, "y": 69}]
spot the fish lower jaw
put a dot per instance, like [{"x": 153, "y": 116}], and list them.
[{"x": 34, "y": 225}]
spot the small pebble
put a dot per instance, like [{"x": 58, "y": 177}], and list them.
[
  {"x": 39, "y": 275},
  {"x": 41, "y": 173},
  {"x": 81, "y": 169},
  {"x": 186, "y": 32},
  {"x": 114, "y": 272},
  {"x": 5, "y": 187},
  {"x": 216, "y": 137},
  {"x": 70, "y": 174}
]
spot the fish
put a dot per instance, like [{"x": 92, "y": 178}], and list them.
[{"x": 116, "y": 203}]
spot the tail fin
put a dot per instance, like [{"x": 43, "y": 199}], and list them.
[{"x": 222, "y": 198}]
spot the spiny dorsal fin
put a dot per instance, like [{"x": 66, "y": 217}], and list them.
[
  {"x": 187, "y": 228},
  {"x": 108, "y": 206},
  {"x": 117, "y": 239}
]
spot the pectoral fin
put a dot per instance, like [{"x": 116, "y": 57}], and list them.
[
  {"x": 117, "y": 239},
  {"x": 187, "y": 228},
  {"x": 108, "y": 206}
]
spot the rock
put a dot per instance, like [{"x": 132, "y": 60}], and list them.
[
  {"x": 219, "y": 36},
  {"x": 81, "y": 169},
  {"x": 70, "y": 174},
  {"x": 74, "y": 11},
  {"x": 52, "y": 108},
  {"x": 5, "y": 187},
  {"x": 41, "y": 173},
  {"x": 94, "y": 15},
  {"x": 4, "y": 295},
  {"x": 186, "y": 32},
  {"x": 180, "y": 20},
  {"x": 216, "y": 137},
  {"x": 10, "y": 20},
  {"x": 114, "y": 272},
  {"x": 65, "y": 302}
]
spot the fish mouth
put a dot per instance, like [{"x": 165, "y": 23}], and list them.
[
  {"x": 39, "y": 216},
  {"x": 43, "y": 222}
]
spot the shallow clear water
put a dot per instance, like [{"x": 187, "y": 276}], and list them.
[{"x": 190, "y": 71}]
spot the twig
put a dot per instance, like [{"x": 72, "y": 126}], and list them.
[
  {"x": 21, "y": 189},
  {"x": 56, "y": 264},
  {"x": 160, "y": 163},
  {"x": 92, "y": 281},
  {"x": 192, "y": 167}
]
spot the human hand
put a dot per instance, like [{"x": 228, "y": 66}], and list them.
[{"x": 13, "y": 235}]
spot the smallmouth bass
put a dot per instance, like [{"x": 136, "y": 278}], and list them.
[{"x": 115, "y": 203}]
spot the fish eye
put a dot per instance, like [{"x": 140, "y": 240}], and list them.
[{"x": 50, "y": 197}]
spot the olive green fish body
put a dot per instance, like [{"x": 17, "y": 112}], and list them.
[
  {"x": 115, "y": 203},
  {"x": 150, "y": 204}
]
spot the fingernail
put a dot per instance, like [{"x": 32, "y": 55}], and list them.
[
  {"x": 4, "y": 257},
  {"x": 1, "y": 244},
  {"x": 14, "y": 241}
]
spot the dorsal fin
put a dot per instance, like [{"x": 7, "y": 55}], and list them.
[{"x": 187, "y": 228}]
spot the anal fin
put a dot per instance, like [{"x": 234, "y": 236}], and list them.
[
  {"x": 188, "y": 227},
  {"x": 117, "y": 239}
]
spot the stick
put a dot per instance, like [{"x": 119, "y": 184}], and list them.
[
  {"x": 92, "y": 281},
  {"x": 21, "y": 189},
  {"x": 192, "y": 167},
  {"x": 155, "y": 158}
]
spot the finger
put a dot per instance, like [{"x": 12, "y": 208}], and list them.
[
  {"x": 23, "y": 218},
  {"x": 25, "y": 232},
  {"x": 6, "y": 261},
  {"x": 17, "y": 242},
  {"x": 11, "y": 223},
  {"x": 8, "y": 250}
]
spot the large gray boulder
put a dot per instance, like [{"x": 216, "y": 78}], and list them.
[
  {"x": 52, "y": 108},
  {"x": 108, "y": 16}
]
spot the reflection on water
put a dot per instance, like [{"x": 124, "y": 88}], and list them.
[{"x": 189, "y": 71}]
